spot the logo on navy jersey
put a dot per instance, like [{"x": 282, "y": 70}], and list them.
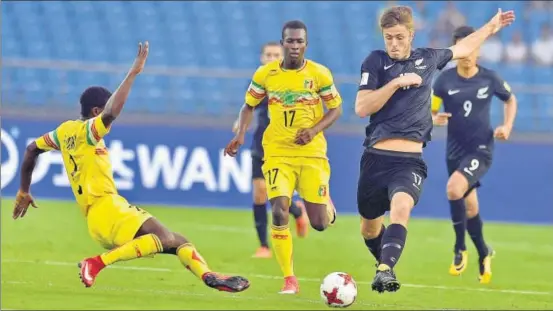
[
  {"x": 364, "y": 78},
  {"x": 482, "y": 93},
  {"x": 418, "y": 63}
]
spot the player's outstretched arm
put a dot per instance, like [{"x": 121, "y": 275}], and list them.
[
  {"x": 117, "y": 100},
  {"x": 23, "y": 198},
  {"x": 467, "y": 45}
]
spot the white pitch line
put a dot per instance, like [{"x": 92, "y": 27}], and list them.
[
  {"x": 229, "y": 296},
  {"x": 264, "y": 276}
]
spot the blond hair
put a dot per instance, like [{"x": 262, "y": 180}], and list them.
[{"x": 397, "y": 15}]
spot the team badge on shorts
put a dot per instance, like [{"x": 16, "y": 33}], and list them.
[{"x": 322, "y": 190}]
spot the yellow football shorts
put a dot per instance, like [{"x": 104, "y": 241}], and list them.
[
  {"x": 309, "y": 176},
  {"x": 112, "y": 221}
]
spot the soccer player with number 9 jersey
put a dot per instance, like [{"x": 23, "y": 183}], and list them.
[
  {"x": 295, "y": 147},
  {"x": 466, "y": 93}
]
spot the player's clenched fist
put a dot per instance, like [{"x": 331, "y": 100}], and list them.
[
  {"x": 22, "y": 202},
  {"x": 502, "y": 132},
  {"x": 140, "y": 60},
  {"x": 408, "y": 79},
  {"x": 232, "y": 148},
  {"x": 441, "y": 118}
]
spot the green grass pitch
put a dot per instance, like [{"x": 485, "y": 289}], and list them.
[{"x": 40, "y": 254}]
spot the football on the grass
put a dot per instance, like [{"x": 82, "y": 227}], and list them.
[{"x": 338, "y": 290}]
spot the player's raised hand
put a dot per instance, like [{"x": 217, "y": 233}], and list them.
[
  {"x": 502, "y": 132},
  {"x": 441, "y": 118},
  {"x": 232, "y": 148},
  {"x": 501, "y": 20},
  {"x": 22, "y": 202},
  {"x": 304, "y": 136},
  {"x": 140, "y": 60},
  {"x": 409, "y": 79}
]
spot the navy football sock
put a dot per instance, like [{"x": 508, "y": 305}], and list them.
[
  {"x": 295, "y": 210},
  {"x": 459, "y": 219},
  {"x": 474, "y": 228},
  {"x": 260, "y": 218},
  {"x": 374, "y": 244},
  {"x": 393, "y": 243}
]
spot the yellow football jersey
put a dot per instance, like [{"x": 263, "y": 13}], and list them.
[
  {"x": 85, "y": 158},
  {"x": 295, "y": 102}
]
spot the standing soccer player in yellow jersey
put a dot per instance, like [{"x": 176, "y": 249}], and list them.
[
  {"x": 294, "y": 144},
  {"x": 126, "y": 230}
]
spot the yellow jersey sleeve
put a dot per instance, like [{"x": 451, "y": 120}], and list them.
[
  {"x": 48, "y": 141},
  {"x": 95, "y": 130},
  {"x": 436, "y": 102},
  {"x": 256, "y": 91},
  {"x": 327, "y": 90}
]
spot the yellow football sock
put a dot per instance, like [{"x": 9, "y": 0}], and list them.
[
  {"x": 281, "y": 239},
  {"x": 143, "y": 246},
  {"x": 192, "y": 260}
]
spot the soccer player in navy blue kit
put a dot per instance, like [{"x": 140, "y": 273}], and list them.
[
  {"x": 395, "y": 91},
  {"x": 466, "y": 93},
  {"x": 269, "y": 52}
]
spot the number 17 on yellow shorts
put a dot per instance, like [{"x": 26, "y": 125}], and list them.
[{"x": 309, "y": 176}]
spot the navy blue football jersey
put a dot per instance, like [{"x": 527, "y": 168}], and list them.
[
  {"x": 469, "y": 102},
  {"x": 262, "y": 115},
  {"x": 407, "y": 113}
]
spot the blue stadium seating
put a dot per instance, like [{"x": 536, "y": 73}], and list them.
[{"x": 209, "y": 35}]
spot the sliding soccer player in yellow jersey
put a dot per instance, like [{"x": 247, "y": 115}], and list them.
[
  {"x": 128, "y": 231},
  {"x": 294, "y": 144}
]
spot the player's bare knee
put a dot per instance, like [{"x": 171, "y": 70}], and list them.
[
  {"x": 370, "y": 232},
  {"x": 454, "y": 191},
  {"x": 400, "y": 208},
  {"x": 319, "y": 224},
  {"x": 456, "y": 187},
  {"x": 280, "y": 211}
]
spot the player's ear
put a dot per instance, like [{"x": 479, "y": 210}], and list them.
[{"x": 96, "y": 111}]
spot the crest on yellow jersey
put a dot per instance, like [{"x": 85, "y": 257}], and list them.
[
  {"x": 308, "y": 84},
  {"x": 322, "y": 191}
]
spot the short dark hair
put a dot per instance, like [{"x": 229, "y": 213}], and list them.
[
  {"x": 94, "y": 96},
  {"x": 462, "y": 32},
  {"x": 397, "y": 15},
  {"x": 270, "y": 43},
  {"x": 295, "y": 24}
]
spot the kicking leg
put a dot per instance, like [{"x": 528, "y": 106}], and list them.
[
  {"x": 457, "y": 186},
  {"x": 260, "y": 216},
  {"x": 393, "y": 242},
  {"x": 474, "y": 228}
]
